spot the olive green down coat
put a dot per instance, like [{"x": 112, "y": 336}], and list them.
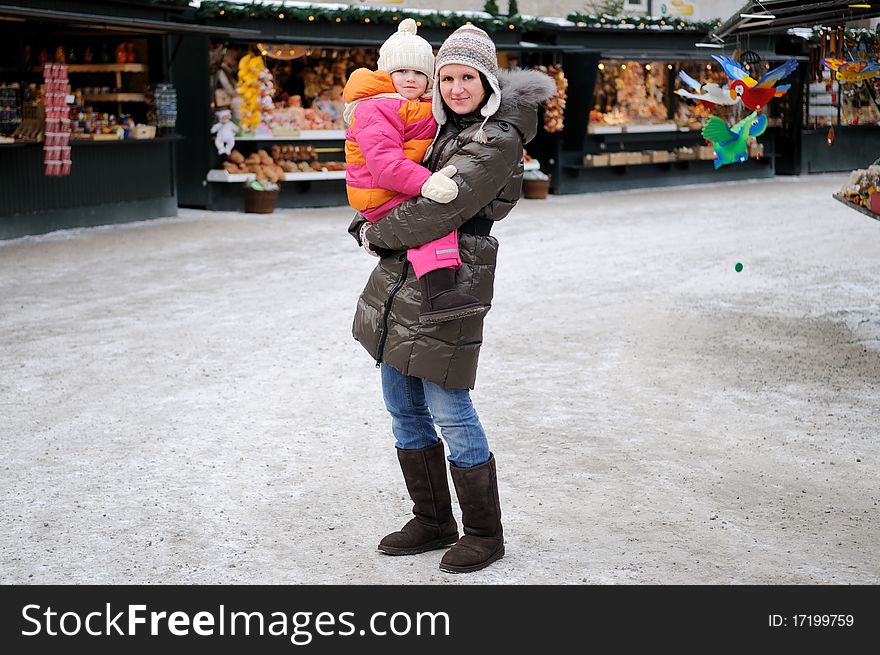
[{"x": 489, "y": 178}]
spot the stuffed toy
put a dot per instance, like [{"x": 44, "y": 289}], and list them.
[{"x": 225, "y": 130}]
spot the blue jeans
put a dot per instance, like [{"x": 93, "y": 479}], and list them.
[{"x": 416, "y": 405}]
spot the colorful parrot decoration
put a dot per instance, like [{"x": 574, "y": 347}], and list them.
[
  {"x": 853, "y": 71},
  {"x": 711, "y": 94},
  {"x": 756, "y": 94},
  {"x": 731, "y": 143}
]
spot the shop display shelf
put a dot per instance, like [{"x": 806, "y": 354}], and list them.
[
  {"x": 165, "y": 138},
  {"x": 647, "y": 128},
  {"x": 303, "y": 135},
  {"x": 220, "y": 175},
  {"x": 102, "y": 68},
  {"x": 862, "y": 210},
  {"x": 116, "y": 97},
  {"x": 605, "y": 129}
]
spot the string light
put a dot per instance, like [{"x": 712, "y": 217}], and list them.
[
  {"x": 669, "y": 66},
  {"x": 648, "y": 67},
  {"x": 281, "y": 11},
  {"x": 601, "y": 67}
]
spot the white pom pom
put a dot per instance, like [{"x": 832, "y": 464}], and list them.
[{"x": 408, "y": 25}]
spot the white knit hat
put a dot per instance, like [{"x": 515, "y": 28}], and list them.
[
  {"x": 471, "y": 46},
  {"x": 404, "y": 49}
]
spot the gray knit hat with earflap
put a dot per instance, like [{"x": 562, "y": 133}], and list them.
[{"x": 470, "y": 46}]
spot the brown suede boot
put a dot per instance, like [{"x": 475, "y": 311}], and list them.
[
  {"x": 424, "y": 471},
  {"x": 483, "y": 540},
  {"x": 441, "y": 301}
]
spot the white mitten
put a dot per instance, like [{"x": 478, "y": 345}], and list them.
[
  {"x": 439, "y": 187},
  {"x": 364, "y": 242}
]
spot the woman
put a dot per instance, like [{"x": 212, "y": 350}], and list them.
[{"x": 485, "y": 117}]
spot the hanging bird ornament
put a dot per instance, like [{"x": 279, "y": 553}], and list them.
[
  {"x": 731, "y": 143},
  {"x": 755, "y": 94},
  {"x": 710, "y": 93},
  {"x": 852, "y": 71}
]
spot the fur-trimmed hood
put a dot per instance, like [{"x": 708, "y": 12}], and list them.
[{"x": 521, "y": 93}]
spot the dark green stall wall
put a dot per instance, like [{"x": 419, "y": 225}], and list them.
[
  {"x": 855, "y": 146},
  {"x": 190, "y": 71},
  {"x": 109, "y": 182}
]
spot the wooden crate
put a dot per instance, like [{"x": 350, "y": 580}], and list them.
[
  {"x": 618, "y": 158},
  {"x": 596, "y": 161},
  {"x": 705, "y": 152},
  {"x": 685, "y": 154}
]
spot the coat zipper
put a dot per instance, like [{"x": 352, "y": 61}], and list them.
[
  {"x": 394, "y": 290},
  {"x": 439, "y": 151},
  {"x": 400, "y": 282}
]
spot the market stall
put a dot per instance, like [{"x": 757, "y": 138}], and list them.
[
  {"x": 87, "y": 115},
  {"x": 861, "y": 191},
  {"x": 841, "y": 116},
  {"x": 838, "y": 127},
  {"x": 285, "y": 103},
  {"x": 625, "y": 126},
  {"x": 279, "y": 98}
]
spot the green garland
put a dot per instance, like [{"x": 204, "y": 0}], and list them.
[
  {"x": 213, "y": 9},
  {"x": 437, "y": 19},
  {"x": 641, "y": 22}
]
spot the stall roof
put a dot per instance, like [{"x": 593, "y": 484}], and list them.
[
  {"x": 783, "y": 15},
  {"x": 685, "y": 55},
  {"x": 92, "y": 20}
]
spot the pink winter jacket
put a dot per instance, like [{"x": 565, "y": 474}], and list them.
[{"x": 384, "y": 142}]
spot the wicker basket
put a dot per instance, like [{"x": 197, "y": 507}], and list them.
[
  {"x": 535, "y": 189},
  {"x": 260, "y": 202}
]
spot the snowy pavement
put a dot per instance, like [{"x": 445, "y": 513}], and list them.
[{"x": 181, "y": 400}]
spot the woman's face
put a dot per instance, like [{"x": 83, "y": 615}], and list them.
[{"x": 461, "y": 88}]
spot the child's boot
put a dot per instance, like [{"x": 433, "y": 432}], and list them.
[{"x": 441, "y": 301}]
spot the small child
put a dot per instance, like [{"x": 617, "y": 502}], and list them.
[{"x": 388, "y": 112}]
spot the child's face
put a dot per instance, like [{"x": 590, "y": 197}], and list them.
[{"x": 409, "y": 83}]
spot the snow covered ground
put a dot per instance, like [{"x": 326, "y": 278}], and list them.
[{"x": 181, "y": 400}]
